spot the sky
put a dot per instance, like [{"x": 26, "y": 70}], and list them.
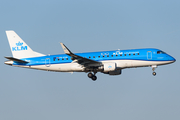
[{"x": 87, "y": 26}]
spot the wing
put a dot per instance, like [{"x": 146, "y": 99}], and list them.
[{"x": 79, "y": 59}]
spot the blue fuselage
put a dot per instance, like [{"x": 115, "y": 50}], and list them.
[{"x": 147, "y": 54}]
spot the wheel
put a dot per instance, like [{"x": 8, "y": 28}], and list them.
[
  {"x": 154, "y": 73},
  {"x": 90, "y": 75},
  {"x": 94, "y": 78}
]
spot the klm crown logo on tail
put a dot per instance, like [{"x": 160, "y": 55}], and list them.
[
  {"x": 19, "y": 47},
  {"x": 19, "y": 44}
]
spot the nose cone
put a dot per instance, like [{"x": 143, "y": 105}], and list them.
[
  {"x": 8, "y": 62},
  {"x": 172, "y": 59}
]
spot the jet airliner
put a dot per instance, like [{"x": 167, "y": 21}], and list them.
[{"x": 107, "y": 62}]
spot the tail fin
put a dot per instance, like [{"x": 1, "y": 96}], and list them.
[{"x": 19, "y": 48}]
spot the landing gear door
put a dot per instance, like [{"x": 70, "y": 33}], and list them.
[
  {"x": 47, "y": 62},
  {"x": 149, "y": 55}
]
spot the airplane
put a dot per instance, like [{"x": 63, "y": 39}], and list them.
[{"x": 107, "y": 62}]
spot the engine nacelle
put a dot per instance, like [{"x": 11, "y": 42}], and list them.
[
  {"x": 116, "y": 72},
  {"x": 109, "y": 67}
]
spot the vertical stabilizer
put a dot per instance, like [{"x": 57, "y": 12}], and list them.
[{"x": 19, "y": 48}]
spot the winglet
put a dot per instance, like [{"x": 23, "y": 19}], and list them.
[{"x": 66, "y": 50}]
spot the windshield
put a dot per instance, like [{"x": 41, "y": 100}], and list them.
[{"x": 160, "y": 52}]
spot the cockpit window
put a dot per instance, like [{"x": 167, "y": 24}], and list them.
[{"x": 160, "y": 52}]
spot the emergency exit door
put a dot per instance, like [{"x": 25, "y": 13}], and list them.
[
  {"x": 149, "y": 55},
  {"x": 47, "y": 62}
]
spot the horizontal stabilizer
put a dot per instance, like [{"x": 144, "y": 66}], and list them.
[{"x": 16, "y": 60}]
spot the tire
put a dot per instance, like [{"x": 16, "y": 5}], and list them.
[
  {"x": 90, "y": 75},
  {"x": 154, "y": 73},
  {"x": 94, "y": 78}
]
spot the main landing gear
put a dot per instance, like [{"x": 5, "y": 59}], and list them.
[
  {"x": 93, "y": 77},
  {"x": 153, "y": 69}
]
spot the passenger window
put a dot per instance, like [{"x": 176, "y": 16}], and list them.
[
  {"x": 120, "y": 54},
  {"x": 111, "y": 55},
  {"x": 138, "y": 53},
  {"x": 116, "y": 55},
  {"x": 133, "y": 53},
  {"x": 98, "y": 56},
  {"x": 89, "y": 57},
  {"x": 124, "y": 54},
  {"x": 66, "y": 58},
  {"x": 107, "y": 55},
  {"x": 93, "y": 56},
  {"x": 129, "y": 54},
  {"x": 58, "y": 59},
  {"x": 103, "y": 55},
  {"x": 62, "y": 58}
]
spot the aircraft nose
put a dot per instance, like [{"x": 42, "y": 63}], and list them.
[{"x": 172, "y": 59}]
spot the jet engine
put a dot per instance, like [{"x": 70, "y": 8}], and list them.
[
  {"x": 109, "y": 67},
  {"x": 116, "y": 72}
]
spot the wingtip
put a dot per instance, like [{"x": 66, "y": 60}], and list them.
[{"x": 61, "y": 43}]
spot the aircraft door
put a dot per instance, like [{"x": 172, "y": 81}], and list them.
[
  {"x": 47, "y": 62},
  {"x": 149, "y": 55}
]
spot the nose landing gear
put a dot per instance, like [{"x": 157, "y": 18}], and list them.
[
  {"x": 154, "y": 73},
  {"x": 93, "y": 77},
  {"x": 153, "y": 69}
]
